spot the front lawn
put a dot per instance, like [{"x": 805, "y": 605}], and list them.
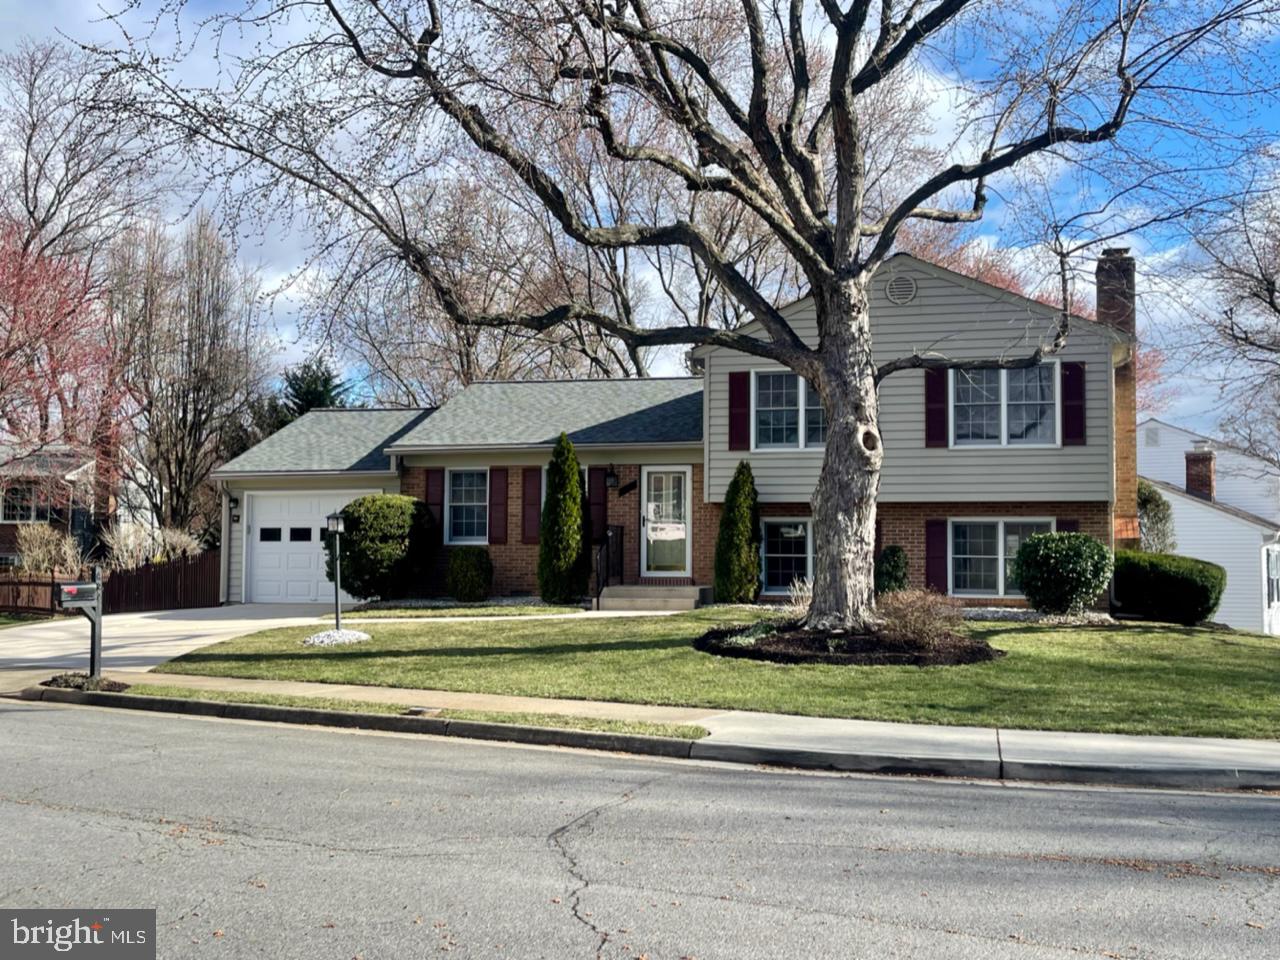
[
  {"x": 477, "y": 610},
  {"x": 13, "y": 619},
  {"x": 1138, "y": 678}
]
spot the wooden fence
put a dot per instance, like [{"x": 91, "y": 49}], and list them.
[{"x": 172, "y": 585}]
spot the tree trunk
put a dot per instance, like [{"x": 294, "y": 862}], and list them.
[{"x": 844, "y": 503}]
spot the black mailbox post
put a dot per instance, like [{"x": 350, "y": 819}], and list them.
[{"x": 87, "y": 598}]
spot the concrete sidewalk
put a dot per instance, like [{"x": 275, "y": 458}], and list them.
[{"x": 862, "y": 745}]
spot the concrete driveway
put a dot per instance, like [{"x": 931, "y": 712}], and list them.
[{"x": 135, "y": 641}]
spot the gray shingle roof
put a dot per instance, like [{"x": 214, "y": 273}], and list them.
[
  {"x": 53, "y": 459},
  {"x": 533, "y": 413},
  {"x": 328, "y": 441}
]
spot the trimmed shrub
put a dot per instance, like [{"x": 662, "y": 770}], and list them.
[
  {"x": 1062, "y": 572},
  {"x": 1162, "y": 586},
  {"x": 386, "y": 547},
  {"x": 1155, "y": 520},
  {"x": 891, "y": 570},
  {"x": 738, "y": 543},
  {"x": 470, "y": 575},
  {"x": 918, "y": 618},
  {"x": 562, "y": 576}
]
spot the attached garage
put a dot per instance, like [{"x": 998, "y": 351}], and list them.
[
  {"x": 284, "y": 545},
  {"x": 276, "y": 496}
]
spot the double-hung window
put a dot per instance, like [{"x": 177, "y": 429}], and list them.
[
  {"x": 787, "y": 554},
  {"x": 787, "y": 413},
  {"x": 983, "y": 554},
  {"x": 998, "y": 408},
  {"x": 22, "y": 505},
  {"x": 467, "y": 506}
]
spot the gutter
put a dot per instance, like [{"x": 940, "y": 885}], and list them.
[
  {"x": 222, "y": 477},
  {"x": 501, "y": 447}
]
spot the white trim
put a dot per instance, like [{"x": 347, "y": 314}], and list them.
[
  {"x": 802, "y": 398},
  {"x": 687, "y": 470},
  {"x": 999, "y": 521},
  {"x": 808, "y": 538},
  {"x": 448, "y": 520},
  {"x": 246, "y": 523},
  {"x": 1003, "y": 443}
]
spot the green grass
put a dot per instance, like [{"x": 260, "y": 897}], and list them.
[
  {"x": 481, "y": 610},
  {"x": 680, "y": 731},
  {"x": 1139, "y": 678}
]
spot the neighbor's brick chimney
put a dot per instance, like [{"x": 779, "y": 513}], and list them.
[
  {"x": 1117, "y": 306},
  {"x": 1201, "y": 471}
]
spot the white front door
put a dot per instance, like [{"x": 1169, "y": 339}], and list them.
[
  {"x": 665, "y": 531},
  {"x": 284, "y": 546}
]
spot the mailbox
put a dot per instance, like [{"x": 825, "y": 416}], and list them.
[
  {"x": 86, "y": 597},
  {"x": 77, "y": 596}
]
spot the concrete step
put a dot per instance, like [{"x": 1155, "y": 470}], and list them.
[{"x": 642, "y": 597}]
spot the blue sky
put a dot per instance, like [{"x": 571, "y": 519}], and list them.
[{"x": 279, "y": 250}]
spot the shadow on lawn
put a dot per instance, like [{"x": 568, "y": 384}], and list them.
[{"x": 357, "y": 652}]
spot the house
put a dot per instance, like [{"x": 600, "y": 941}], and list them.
[
  {"x": 1226, "y": 509},
  {"x": 975, "y": 461},
  {"x": 57, "y": 483}
]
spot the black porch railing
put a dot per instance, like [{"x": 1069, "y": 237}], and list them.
[{"x": 608, "y": 558}]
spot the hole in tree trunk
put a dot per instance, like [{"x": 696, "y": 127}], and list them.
[{"x": 870, "y": 441}]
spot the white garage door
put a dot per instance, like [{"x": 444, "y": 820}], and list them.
[{"x": 285, "y": 546}]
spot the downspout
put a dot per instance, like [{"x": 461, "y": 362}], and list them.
[{"x": 224, "y": 560}]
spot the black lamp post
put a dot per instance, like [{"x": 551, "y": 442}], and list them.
[{"x": 335, "y": 531}]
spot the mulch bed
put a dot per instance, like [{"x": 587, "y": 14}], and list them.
[
  {"x": 791, "y": 644},
  {"x": 81, "y": 681}
]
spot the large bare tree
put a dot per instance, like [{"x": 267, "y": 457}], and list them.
[
  {"x": 197, "y": 357},
  {"x": 772, "y": 108}
]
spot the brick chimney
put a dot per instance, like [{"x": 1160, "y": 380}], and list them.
[
  {"x": 1117, "y": 307},
  {"x": 1201, "y": 471}
]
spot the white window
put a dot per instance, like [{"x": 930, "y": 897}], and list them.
[
  {"x": 982, "y": 555},
  {"x": 1273, "y": 576},
  {"x": 783, "y": 416},
  {"x": 466, "y": 506},
  {"x": 998, "y": 408},
  {"x": 786, "y": 550},
  {"x": 22, "y": 504}
]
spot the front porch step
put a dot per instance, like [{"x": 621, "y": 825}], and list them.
[{"x": 643, "y": 597}]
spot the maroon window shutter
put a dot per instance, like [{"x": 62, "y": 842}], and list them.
[
  {"x": 497, "y": 504},
  {"x": 740, "y": 410},
  {"x": 1073, "y": 404},
  {"x": 935, "y": 555},
  {"x": 1068, "y": 525},
  {"x": 435, "y": 498},
  {"x": 879, "y": 536},
  {"x": 531, "y": 505},
  {"x": 935, "y": 408},
  {"x": 597, "y": 502}
]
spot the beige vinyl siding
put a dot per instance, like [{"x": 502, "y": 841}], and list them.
[
  {"x": 239, "y": 488},
  {"x": 960, "y": 321}
]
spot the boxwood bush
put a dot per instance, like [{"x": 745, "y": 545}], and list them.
[
  {"x": 1166, "y": 587},
  {"x": 386, "y": 548},
  {"x": 891, "y": 570},
  {"x": 470, "y": 575},
  {"x": 1062, "y": 572}
]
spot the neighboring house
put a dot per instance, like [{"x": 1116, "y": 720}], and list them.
[
  {"x": 1226, "y": 509},
  {"x": 975, "y": 461},
  {"x": 57, "y": 484}
]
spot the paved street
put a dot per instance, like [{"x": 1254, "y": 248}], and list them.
[{"x": 269, "y": 841}]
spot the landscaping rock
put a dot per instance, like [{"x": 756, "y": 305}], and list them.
[
  {"x": 1022, "y": 615},
  {"x": 333, "y": 638}
]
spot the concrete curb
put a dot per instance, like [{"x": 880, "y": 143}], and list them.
[
  {"x": 971, "y": 768},
  {"x": 391, "y": 722}
]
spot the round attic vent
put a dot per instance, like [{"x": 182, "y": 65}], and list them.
[{"x": 900, "y": 289}]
